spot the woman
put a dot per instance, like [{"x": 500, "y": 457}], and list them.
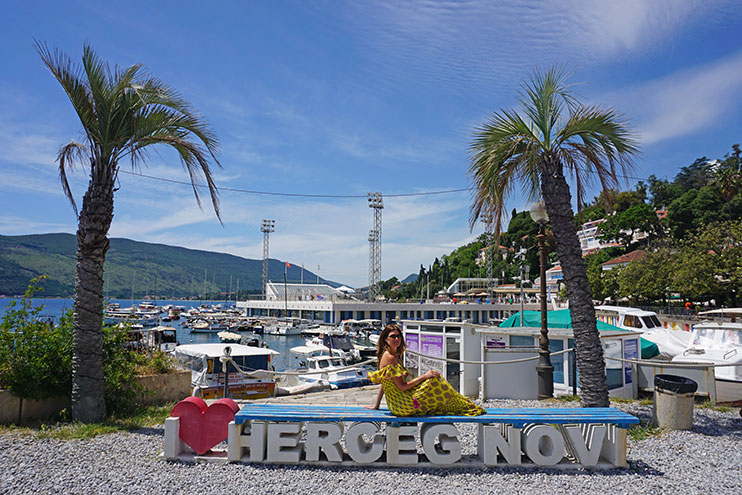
[{"x": 428, "y": 394}]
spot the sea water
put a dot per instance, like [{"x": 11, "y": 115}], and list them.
[{"x": 54, "y": 308}]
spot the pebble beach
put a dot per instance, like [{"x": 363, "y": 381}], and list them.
[{"x": 706, "y": 459}]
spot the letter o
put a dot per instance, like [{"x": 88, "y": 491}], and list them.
[{"x": 547, "y": 453}]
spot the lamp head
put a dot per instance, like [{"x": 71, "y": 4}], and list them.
[{"x": 538, "y": 213}]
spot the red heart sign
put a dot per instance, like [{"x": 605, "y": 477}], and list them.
[{"x": 201, "y": 426}]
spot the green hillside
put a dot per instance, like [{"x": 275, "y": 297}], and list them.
[{"x": 150, "y": 269}]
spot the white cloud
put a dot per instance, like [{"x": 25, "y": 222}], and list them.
[
  {"x": 490, "y": 46},
  {"x": 14, "y": 225},
  {"x": 684, "y": 102}
]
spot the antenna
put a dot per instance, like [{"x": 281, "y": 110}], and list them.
[
  {"x": 376, "y": 202},
  {"x": 266, "y": 228}
]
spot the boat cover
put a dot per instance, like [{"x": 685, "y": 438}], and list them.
[{"x": 562, "y": 318}]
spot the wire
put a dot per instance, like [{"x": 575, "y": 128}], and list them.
[{"x": 297, "y": 195}]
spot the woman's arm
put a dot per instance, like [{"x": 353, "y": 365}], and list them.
[
  {"x": 403, "y": 386},
  {"x": 378, "y": 399}
]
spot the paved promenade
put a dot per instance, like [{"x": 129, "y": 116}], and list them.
[{"x": 358, "y": 396}]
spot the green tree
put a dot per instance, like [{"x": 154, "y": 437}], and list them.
[
  {"x": 646, "y": 279},
  {"x": 692, "y": 210},
  {"x": 554, "y": 134},
  {"x": 122, "y": 113},
  {"x": 727, "y": 181},
  {"x": 710, "y": 264},
  {"x": 639, "y": 218},
  {"x": 603, "y": 283}
]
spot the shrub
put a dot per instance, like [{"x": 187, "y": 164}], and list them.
[{"x": 35, "y": 355}]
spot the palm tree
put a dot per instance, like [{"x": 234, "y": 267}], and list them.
[
  {"x": 123, "y": 113},
  {"x": 554, "y": 134},
  {"x": 727, "y": 181}
]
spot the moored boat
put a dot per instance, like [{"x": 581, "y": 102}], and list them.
[
  {"x": 320, "y": 367},
  {"x": 669, "y": 342},
  {"x": 207, "y": 376},
  {"x": 719, "y": 343}
]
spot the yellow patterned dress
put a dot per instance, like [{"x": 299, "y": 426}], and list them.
[{"x": 434, "y": 396}]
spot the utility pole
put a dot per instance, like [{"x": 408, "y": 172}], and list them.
[{"x": 266, "y": 228}]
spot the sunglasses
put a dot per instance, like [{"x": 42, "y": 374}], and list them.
[{"x": 394, "y": 336}]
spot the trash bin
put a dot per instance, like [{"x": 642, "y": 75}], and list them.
[{"x": 673, "y": 402}]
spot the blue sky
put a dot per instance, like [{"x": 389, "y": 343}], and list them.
[{"x": 343, "y": 98}]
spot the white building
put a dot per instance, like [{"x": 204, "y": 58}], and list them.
[{"x": 330, "y": 306}]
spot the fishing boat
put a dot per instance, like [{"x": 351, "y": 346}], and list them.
[
  {"x": 140, "y": 338},
  {"x": 162, "y": 338},
  {"x": 207, "y": 377}
]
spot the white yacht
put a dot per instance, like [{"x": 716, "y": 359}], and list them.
[
  {"x": 718, "y": 342},
  {"x": 669, "y": 342}
]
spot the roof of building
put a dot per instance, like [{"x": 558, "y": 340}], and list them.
[
  {"x": 302, "y": 291},
  {"x": 625, "y": 258}
]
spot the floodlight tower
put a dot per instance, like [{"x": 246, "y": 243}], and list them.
[
  {"x": 373, "y": 237},
  {"x": 267, "y": 227},
  {"x": 376, "y": 202}
]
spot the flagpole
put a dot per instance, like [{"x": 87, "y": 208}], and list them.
[{"x": 285, "y": 290}]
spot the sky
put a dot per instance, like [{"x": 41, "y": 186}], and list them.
[{"x": 344, "y": 98}]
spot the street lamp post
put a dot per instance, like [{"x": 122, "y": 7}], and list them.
[{"x": 544, "y": 368}]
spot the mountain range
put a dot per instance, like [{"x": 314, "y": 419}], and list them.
[{"x": 138, "y": 269}]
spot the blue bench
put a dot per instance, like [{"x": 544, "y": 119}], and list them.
[{"x": 561, "y": 437}]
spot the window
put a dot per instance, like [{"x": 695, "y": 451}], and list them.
[
  {"x": 632, "y": 321},
  {"x": 557, "y": 361},
  {"x": 649, "y": 322},
  {"x": 613, "y": 367},
  {"x": 521, "y": 341}
]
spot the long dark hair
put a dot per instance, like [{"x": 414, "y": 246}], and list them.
[{"x": 381, "y": 345}]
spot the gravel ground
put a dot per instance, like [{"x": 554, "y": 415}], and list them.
[{"x": 707, "y": 459}]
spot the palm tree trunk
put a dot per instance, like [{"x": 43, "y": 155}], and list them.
[
  {"x": 589, "y": 351},
  {"x": 88, "y": 386}
]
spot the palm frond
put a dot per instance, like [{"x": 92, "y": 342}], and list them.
[
  {"x": 125, "y": 112},
  {"x": 68, "y": 155},
  {"x": 70, "y": 78}
]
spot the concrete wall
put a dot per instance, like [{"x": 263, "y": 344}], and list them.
[
  {"x": 170, "y": 387},
  {"x": 11, "y": 407}
]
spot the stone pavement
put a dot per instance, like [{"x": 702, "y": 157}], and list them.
[{"x": 357, "y": 396}]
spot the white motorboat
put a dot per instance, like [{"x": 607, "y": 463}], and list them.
[
  {"x": 288, "y": 326},
  {"x": 318, "y": 367},
  {"x": 333, "y": 346},
  {"x": 669, "y": 342},
  {"x": 720, "y": 343},
  {"x": 229, "y": 337}
]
